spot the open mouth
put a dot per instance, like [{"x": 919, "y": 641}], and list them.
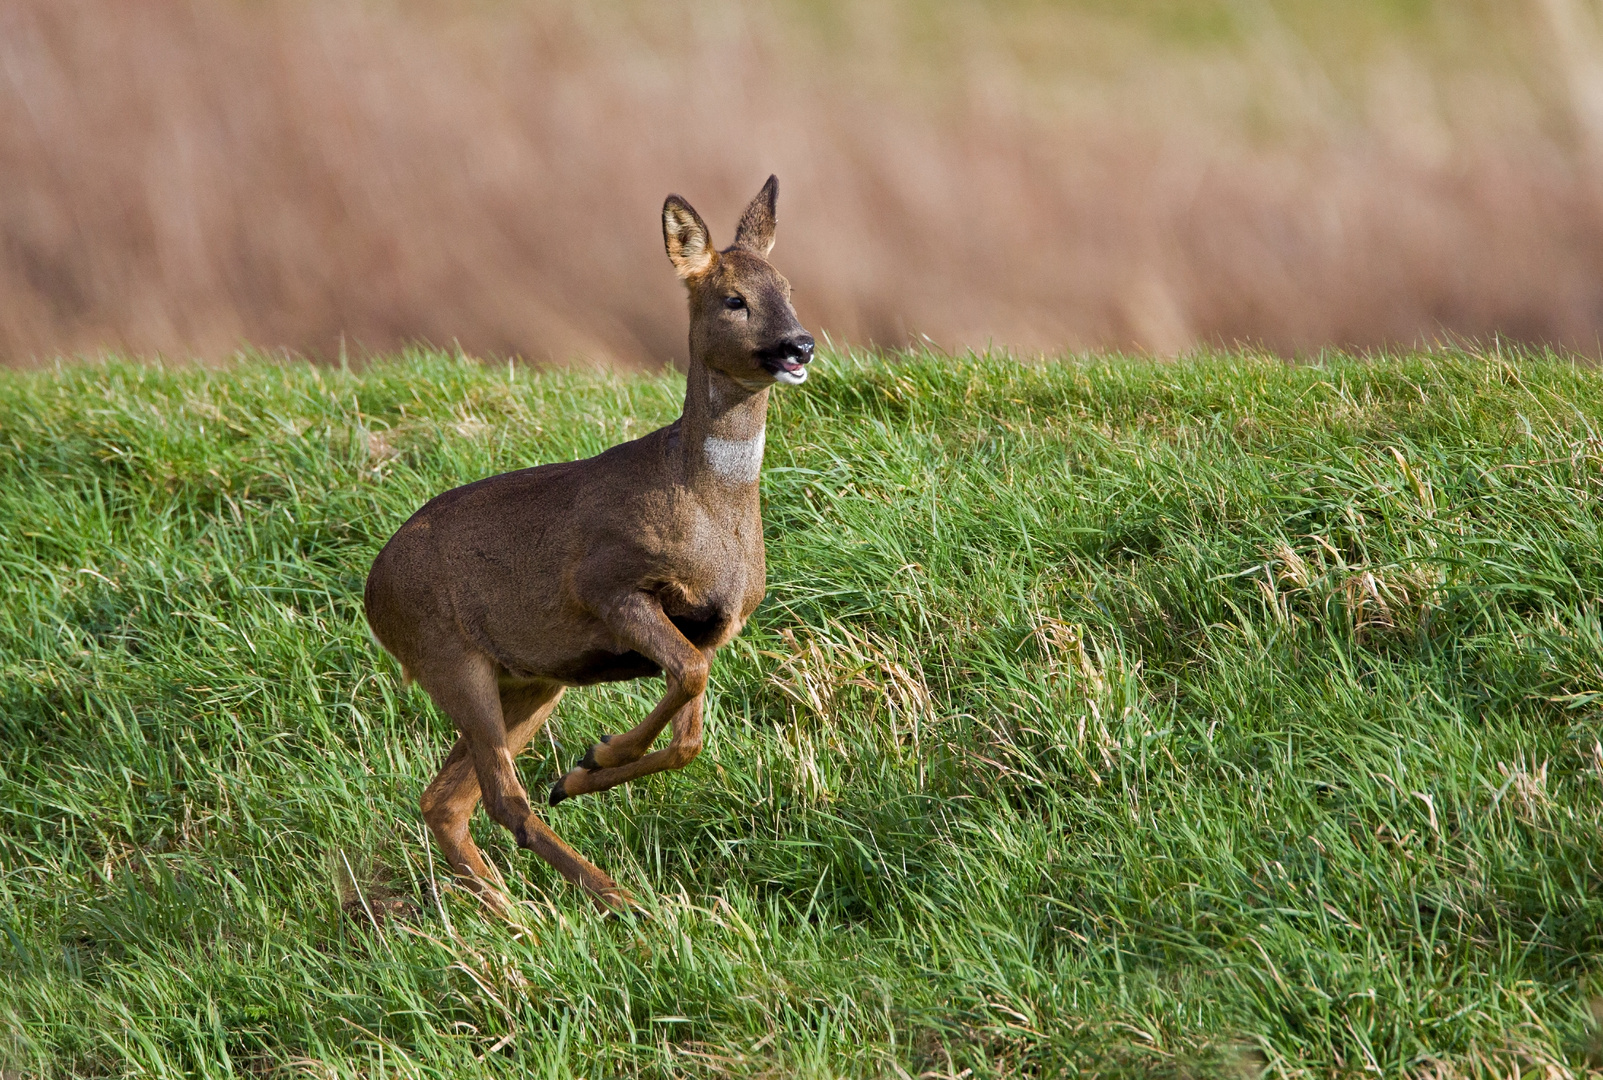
[
  {"x": 784, "y": 365},
  {"x": 786, "y": 370}
]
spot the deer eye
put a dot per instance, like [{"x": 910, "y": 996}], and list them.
[{"x": 734, "y": 303}]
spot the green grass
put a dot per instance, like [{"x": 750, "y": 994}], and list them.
[{"x": 1103, "y": 717}]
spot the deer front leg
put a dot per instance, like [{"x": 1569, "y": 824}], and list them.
[
  {"x": 641, "y": 625},
  {"x": 632, "y": 745},
  {"x": 679, "y": 752}
]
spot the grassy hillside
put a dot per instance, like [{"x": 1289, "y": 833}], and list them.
[{"x": 1103, "y": 716}]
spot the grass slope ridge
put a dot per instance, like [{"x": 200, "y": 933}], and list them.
[{"x": 1103, "y": 716}]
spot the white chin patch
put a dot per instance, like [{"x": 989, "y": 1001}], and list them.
[{"x": 791, "y": 378}]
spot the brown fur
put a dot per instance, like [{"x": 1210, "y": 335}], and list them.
[{"x": 645, "y": 559}]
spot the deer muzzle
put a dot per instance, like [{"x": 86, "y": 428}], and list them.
[{"x": 787, "y": 360}]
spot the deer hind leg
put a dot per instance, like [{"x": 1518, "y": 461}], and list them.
[
  {"x": 466, "y": 692},
  {"x": 449, "y": 800},
  {"x": 680, "y": 751},
  {"x": 447, "y": 803}
]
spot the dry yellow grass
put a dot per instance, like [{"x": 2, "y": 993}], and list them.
[{"x": 187, "y": 178}]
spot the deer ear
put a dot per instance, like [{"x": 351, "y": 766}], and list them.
[
  {"x": 686, "y": 238},
  {"x": 756, "y": 231}
]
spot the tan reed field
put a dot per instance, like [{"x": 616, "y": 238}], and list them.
[{"x": 191, "y": 178}]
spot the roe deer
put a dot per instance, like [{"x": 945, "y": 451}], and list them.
[{"x": 642, "y": 560}]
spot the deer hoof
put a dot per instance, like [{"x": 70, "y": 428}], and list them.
[
  {"x": 589, "y": 762},
  {"x": 495, "y": 902},
  {"x": 557, "y": 792},
  {"x": 617, "y": 901}
]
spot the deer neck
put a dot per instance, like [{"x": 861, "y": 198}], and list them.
[{"x": 723, "y": 431}]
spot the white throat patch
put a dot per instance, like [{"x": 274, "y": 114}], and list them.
[{"x": 736, "y": 461}]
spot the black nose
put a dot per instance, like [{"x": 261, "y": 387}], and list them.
[{"x": 798, "y": 347}]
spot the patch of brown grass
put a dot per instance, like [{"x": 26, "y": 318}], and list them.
[{"x": 187, "y": 178}]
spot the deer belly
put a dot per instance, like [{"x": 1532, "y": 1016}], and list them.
[{"x": 598, "y": 666}]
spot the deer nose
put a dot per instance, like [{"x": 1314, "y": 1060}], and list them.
[{"x": 798, "y": 347}]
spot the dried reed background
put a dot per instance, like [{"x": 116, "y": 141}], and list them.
[{"x": 188, "y": 177}]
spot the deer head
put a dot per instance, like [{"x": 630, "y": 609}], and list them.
[{"x": 741, "y": 321}]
